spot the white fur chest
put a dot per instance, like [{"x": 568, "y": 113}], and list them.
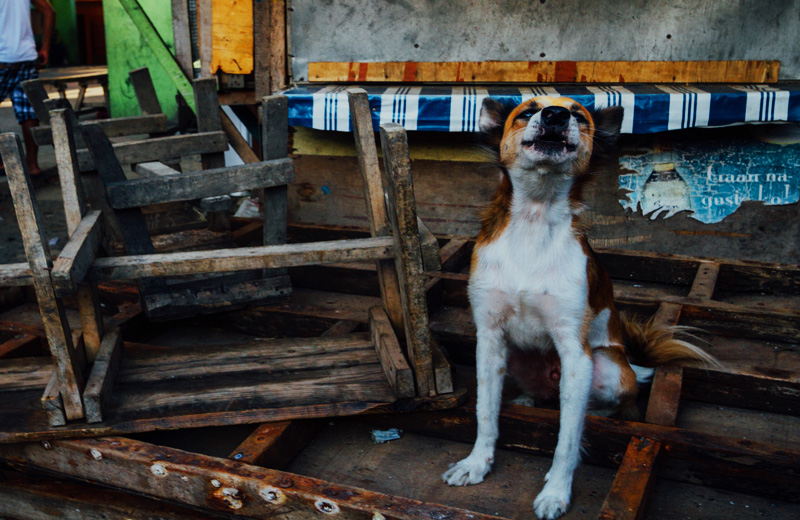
[{"x": 531, "y": 280}]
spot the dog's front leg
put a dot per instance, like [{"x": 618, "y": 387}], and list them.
[
  {"x": 491, "y": 357},
  {"x": 576, "y": 379}
]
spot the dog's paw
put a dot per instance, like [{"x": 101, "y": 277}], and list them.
[
  {"x": 469, "y": 471},
  {"x": 551, "y": 502}
]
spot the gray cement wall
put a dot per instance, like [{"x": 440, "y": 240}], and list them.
[{"x": 509, "y": 30}]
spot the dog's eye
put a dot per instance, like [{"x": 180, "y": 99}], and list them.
[
  {"x": 579, "y": 117},
  {"x": 527, "y": 114}
]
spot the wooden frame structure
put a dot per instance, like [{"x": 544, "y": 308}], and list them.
[
  {"x": 727, "y": 298},
  {"x": 256, "y": 381}
]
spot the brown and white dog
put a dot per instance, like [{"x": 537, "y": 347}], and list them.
[{"x": 542, "y": 304}]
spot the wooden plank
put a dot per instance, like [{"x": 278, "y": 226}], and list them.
[
  {"x": 398, "y": 373},
  {"x": 160, "y": 51},
  {"x": 75, "y": 260},
  {"x": 116, "y": 127},
  {"x": 442, "y": 371},
  {"x": 197, "y": 185},
  {"x": 204, "y": 36},
  {"x": 232, "y": 37},
  {"x": 155, "y": 169},
  {"x": 37, "y": 96},
  {"x": 665, "y": 394},
  {"x": 429, "y": 247},
  {"x": 372, "y": 183},
  {"x": 208, "y": 118},
  {"x": 21, "y": 345},
  {"x": 101, "y": 380},
  {"x": 24, "y": 497},
  {"x": 705, "y": 281},
  {"x": 82, "y": 250},
  {"x": 145, "y": 91},
  {"x": 15, "y": 275},
  {"x": 161, "y": 149},
  {"x": 52, "y": 402},
  {"x": 775, "y": 391},
  {"x": 242, "y": 259},
  {"x": 31, "y": 373},
  {"x": 274, "y": 445},
  {"x": 408, "y": 262},
  {"x": 181, "y": 35},
  {"x": 633, "y": 483},
  {"x": 275, "y": 145},
  {"x": 733, "y": 71},
  {"x": 237, "y": 142},
  {"x": 278, "y": 63},
  {"x": 65, "y": 126},
  {"x": 261, "y": 48},
  {"x": 70, "y": 378},
  {"x": 245, "y": 490},
  {"x": 214, "y": 294}
]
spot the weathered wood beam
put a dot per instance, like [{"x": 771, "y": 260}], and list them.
[
  {"x": 68, "y": 368},
  {"x": 198, "y": 185},
  {"x": 214, "y": 484},
  {"x": 75, "y": 260},
  {"x": 101, "y": 380},
  {"x": 241, "y": 259},
  {"x": 274, "y": 145},
  {"x": 398, "y": 374},
  {"x": 116, "y": 127},
  {"x": 24, "y": 497},
  {"x": 161, "y": 149},
  {"x": 633, "y": 483},
  {"x": 274, "y": 445},
  {"x": 373, "y": 185},
  {"x": 734, "y": 71},
  {"x": 408, "y": 261},
  {"x": 15, "y": 275}
]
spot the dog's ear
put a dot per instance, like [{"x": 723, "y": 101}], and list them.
[
  {"x": 607, "y": 124},
  {"x": 491, "y": 122}
]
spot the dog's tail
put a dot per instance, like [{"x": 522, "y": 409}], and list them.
[{"x": 650, "y": 345}]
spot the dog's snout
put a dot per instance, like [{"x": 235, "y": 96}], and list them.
[{"x": 555, "y": 117}]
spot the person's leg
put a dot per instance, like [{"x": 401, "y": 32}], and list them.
[
  {"x": 26, "y": 116},
  {"x": 31, "y": 148}
]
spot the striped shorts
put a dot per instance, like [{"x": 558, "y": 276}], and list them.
[{"x": 11, "y": 77}]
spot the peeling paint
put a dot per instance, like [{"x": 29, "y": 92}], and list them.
[
  {"x": 158, "y": 470},
  {"x": 216, "y": 483},
  {"x": 95, "y": 453},
  {"x": 230, "y": 496}
]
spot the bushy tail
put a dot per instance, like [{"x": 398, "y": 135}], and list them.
[{"x": 649, "y": 344}]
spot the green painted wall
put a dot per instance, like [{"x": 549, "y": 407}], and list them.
[
  {"x": 126, "y": 51},
  {"x": 67, "y": 28}
]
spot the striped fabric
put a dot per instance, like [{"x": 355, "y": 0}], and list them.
[{"x": 648, "y": 108}]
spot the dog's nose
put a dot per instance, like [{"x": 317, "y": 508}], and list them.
[{"x": 555, "y": 117}]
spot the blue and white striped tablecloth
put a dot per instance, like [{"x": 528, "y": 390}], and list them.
[{"x": 648, "y": 108}]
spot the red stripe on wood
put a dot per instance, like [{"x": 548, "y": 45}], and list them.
[
  {"x": 566, "y": 71},
  {"x": 362, "y": 71},
  {"x": 351, "y": 73},
  {"x": 410, "y": 72}
]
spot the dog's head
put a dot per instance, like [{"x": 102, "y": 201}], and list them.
[{"x": 548, "y": 134}]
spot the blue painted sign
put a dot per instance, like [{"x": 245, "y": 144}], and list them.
[{"x": 711, "y": 179}]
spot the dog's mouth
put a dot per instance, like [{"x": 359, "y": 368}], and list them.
[{"x": 550, "y": 143}]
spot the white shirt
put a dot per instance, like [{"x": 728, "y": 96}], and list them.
[{"x": 16, "y": 36}]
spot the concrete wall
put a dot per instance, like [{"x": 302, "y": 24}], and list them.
[{"x": 478, "y": 30}]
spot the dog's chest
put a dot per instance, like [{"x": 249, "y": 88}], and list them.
[{"x": 530, "y": 280}]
